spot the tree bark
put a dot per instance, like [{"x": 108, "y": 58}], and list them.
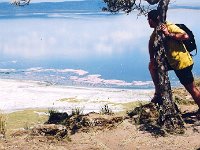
[{"x": 170, "y": 117}]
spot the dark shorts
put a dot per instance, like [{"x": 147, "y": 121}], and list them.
[{"x": 185, "y": 75}]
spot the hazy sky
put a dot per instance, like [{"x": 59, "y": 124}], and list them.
[{"x": 80, "y": 37}]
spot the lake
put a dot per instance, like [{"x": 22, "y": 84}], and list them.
[{"x": 74, "y": 43}]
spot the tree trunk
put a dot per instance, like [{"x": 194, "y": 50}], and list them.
[{"x": 170, "y": 117}]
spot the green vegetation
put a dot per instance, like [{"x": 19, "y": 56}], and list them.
[{"x": 25, "y": 119}]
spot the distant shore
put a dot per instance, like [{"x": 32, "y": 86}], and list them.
[{"x": 19, "y": 95}]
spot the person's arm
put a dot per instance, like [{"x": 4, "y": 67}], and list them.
[{"x": 176, "y": 36}]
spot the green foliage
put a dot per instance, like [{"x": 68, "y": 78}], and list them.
[
  {"x": 116, "y": 5},
  {"x": 127, "y": 6},
  {"x": 20, "y": 2},
  {"x": 25, "y": 118}
]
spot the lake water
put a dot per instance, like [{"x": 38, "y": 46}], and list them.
[{"x": 74, "y": 43}]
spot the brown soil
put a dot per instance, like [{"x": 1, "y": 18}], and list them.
[{"x": 123, "y": 135}]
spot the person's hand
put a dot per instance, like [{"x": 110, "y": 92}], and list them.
[{"x": 163, "y": 27}]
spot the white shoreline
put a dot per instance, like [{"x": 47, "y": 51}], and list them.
[{"x": 19, "y": 95}]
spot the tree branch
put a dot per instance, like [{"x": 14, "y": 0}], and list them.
[
  {"x": 128, "y": 5},
  {"x": 20, "y": 2}
]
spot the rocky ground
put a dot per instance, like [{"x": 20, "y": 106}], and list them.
[{"x": 108, "y": 132}]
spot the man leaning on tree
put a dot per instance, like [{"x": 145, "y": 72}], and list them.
[{"x": 179, "y": 59}]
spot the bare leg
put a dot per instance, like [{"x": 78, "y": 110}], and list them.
[{"x": 154, "y": 76}]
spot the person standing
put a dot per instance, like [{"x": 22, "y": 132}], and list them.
[{"x": 178, "y": 58}]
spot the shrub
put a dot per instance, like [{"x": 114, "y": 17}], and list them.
[
  {"x": 105, "y": 110},
  {"x": 77, "y": 111},
  {"x": 56, "y": 117}
]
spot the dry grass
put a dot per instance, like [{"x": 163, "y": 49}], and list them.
[
  {"x": 25, "y": 119},
  {"x": 2, "y": 124},
  {"x": 197, "y": 82}
]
